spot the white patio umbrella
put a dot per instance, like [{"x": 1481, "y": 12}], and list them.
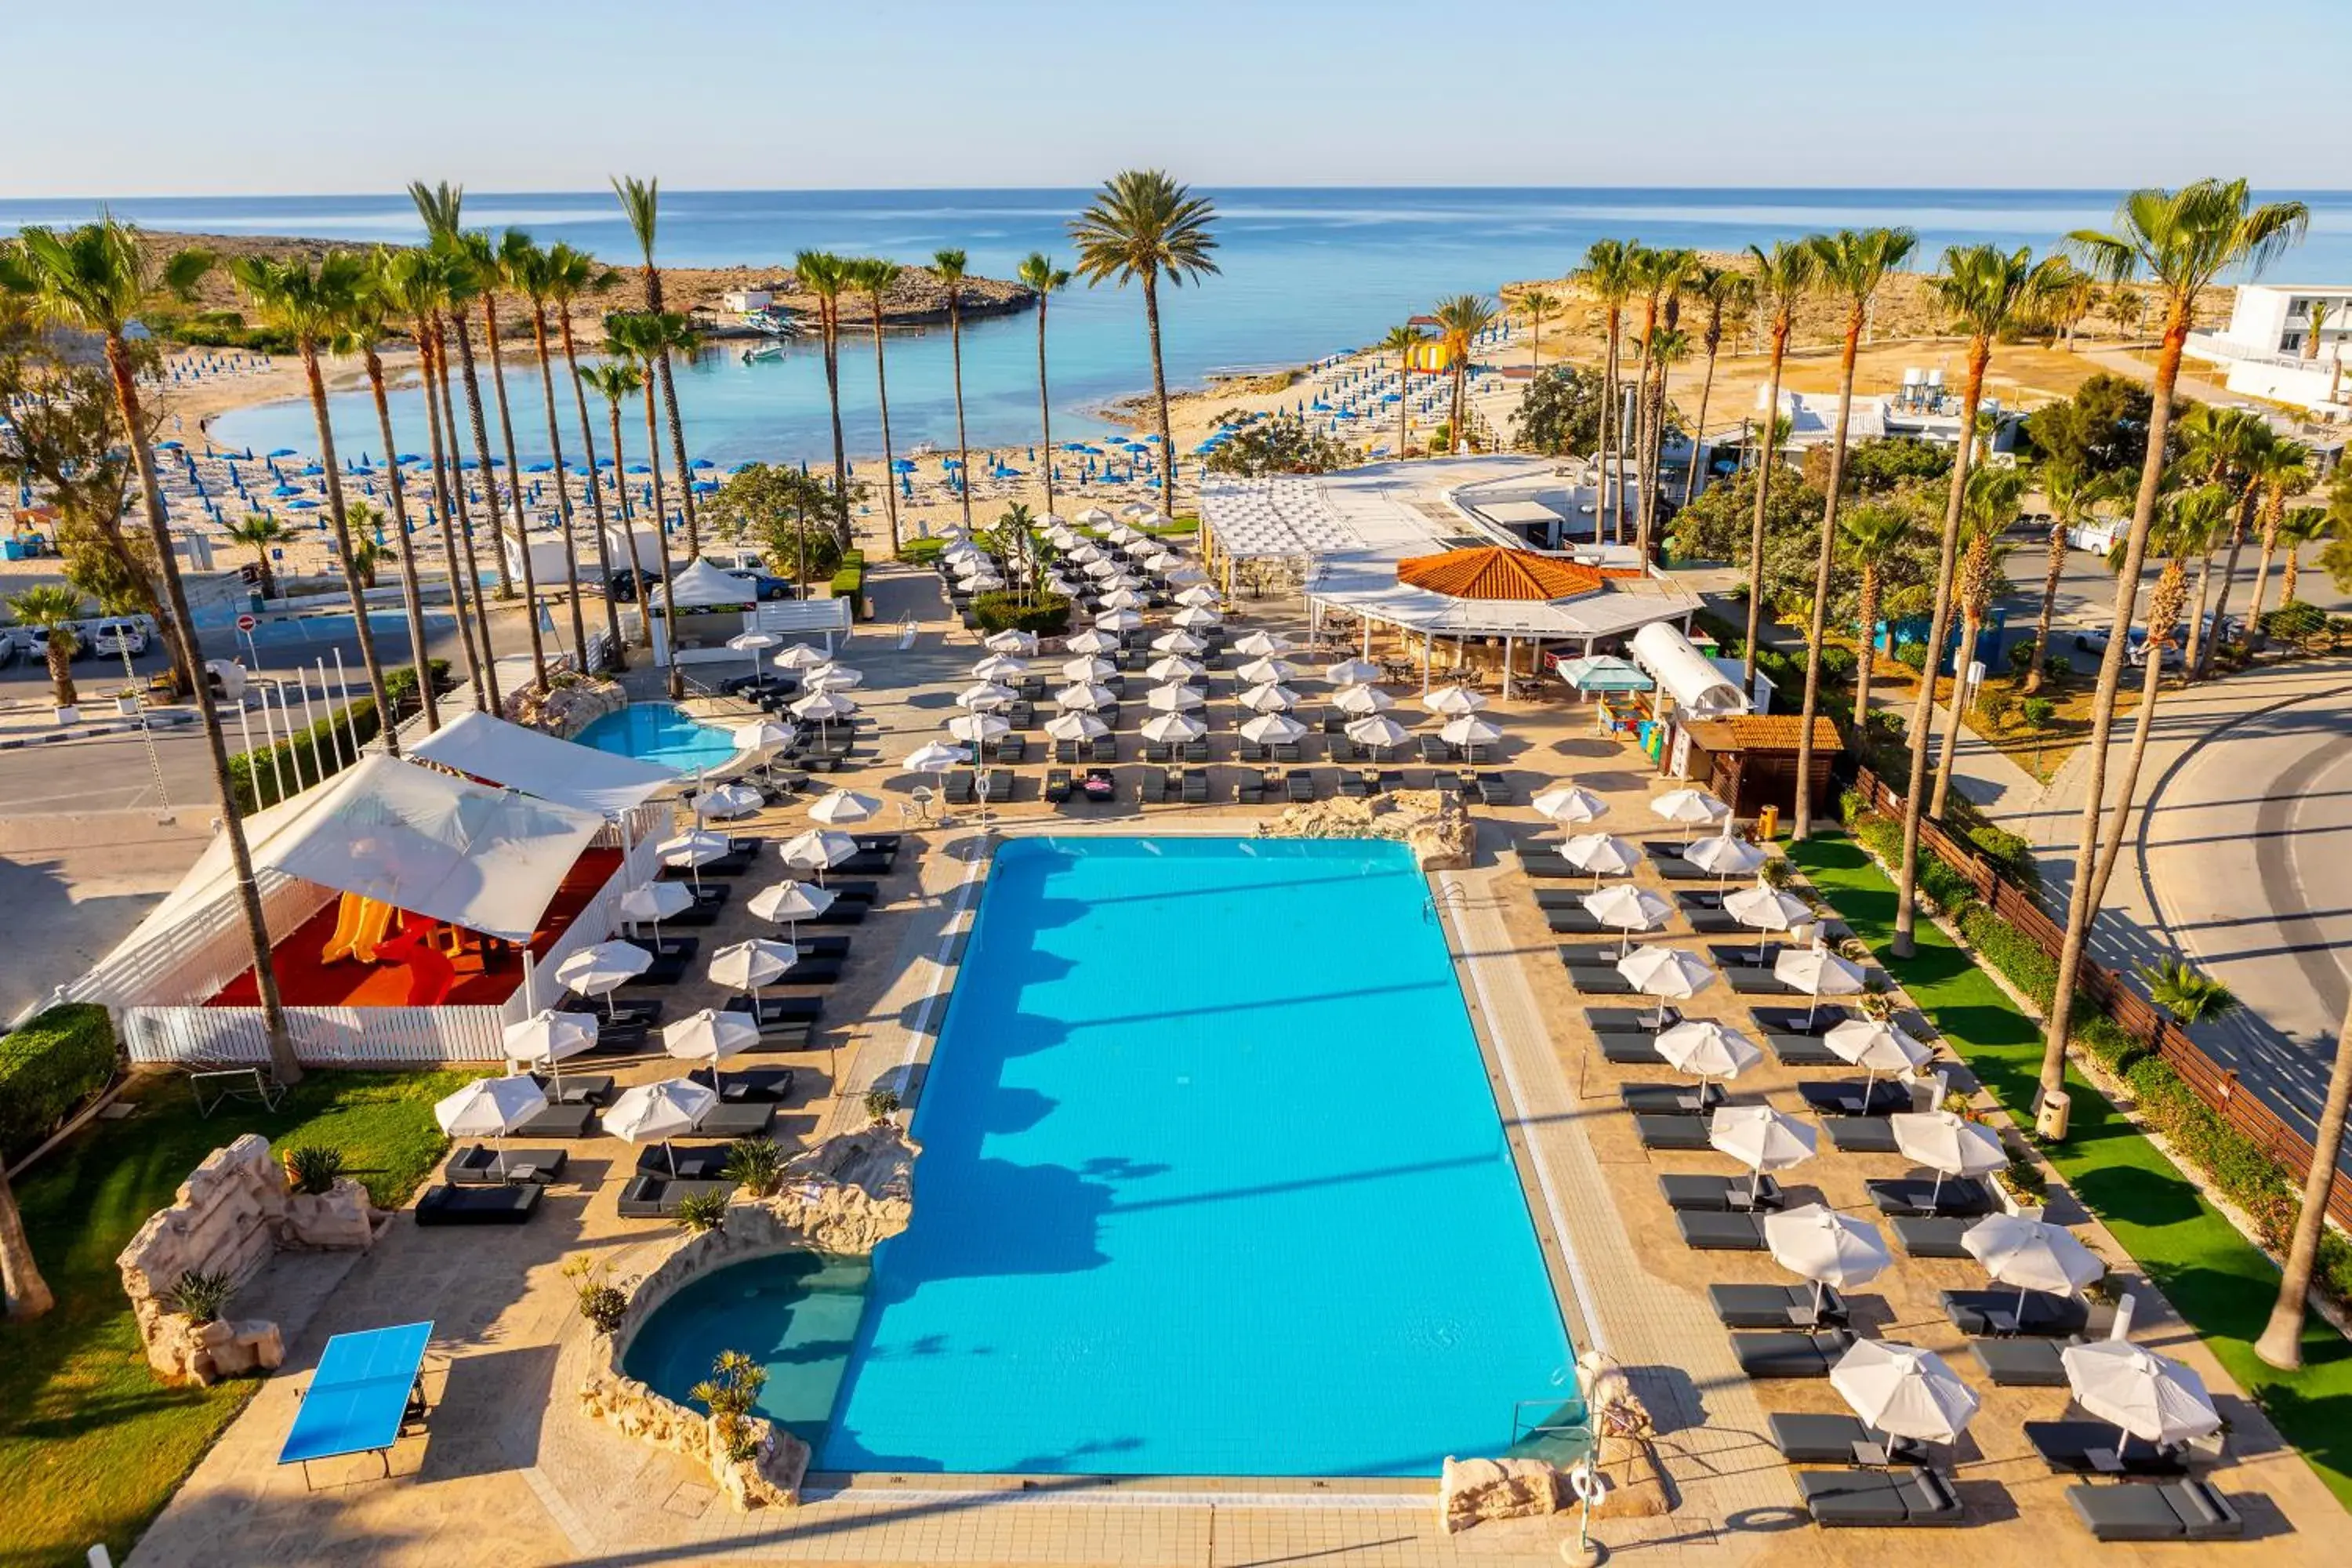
[
  {"x": 754, "y": 643},
  {"x": 789, "y": 903},
  {"x": 603, "y": 968},
  {"x": 1262, "y": 644},
  {"x": 1875, "y": 1046},
  {"x": 654, "y": 903},
  {"x": 1085, "y": 669},
  {"x": 1826, "y": 1247},
  {"x": 987, "y": 697},
  {"x": 1669, "y": 973},
  {"x": 999, "y": 668},
  {"x": 1272, "y": 698},
  {"x": 1764, "y": 910},
  {"x": 824, "y": 707},
  {"x": 1690, "y": 807},
  {"x": 1360, "y": 701},
  {"x": 1568, "y": 805},
  {"x": 1819, "y": 973},
  {"x": 1627, "y": 908},
  {"x": 711, "y": 1035},
  {"x": 1266, "y": 670},
  {"x": 1170, "y": 669},
  {"x": 1021, "y": 645},
  {"x": 1076, "y": 726},
  {"x": 762, "y": 735},
  {"x": 1273, "y": 729},
  {"x": 490, "y": 1108},
  {"x": 1173, "y": 729},
  {"x": 1724, "y": 856},
  {"x": 1195, "y": 616},
  {"x": 1179, "y": 641},
  {"x": 1602, "y": 854},
  {"x": 843, "y": 808},
  {"x": 1119, "y": 620},
  {"x": 984, "y": 581},
  {"x": 658, "y": 1112},
  {"x": 934, "y": 758},
  {"x": 1949, "y": 1144},
  {"x": 1469, "y": 731},
  {"x": 801, "y": 655},
  {"x": 2032, "y": 1255},
  {"x": 818, "y": 849},
  {"x": 1122, "y": 597},
  {"x": 1186, "y": 572},
  {"x": 748, "y": 966},
  {"x": 1200, "y": 596},
  {"x": 1347, "y": 671},
  {"x": 728, "y": 802},
  {"x": 1453, "y": 700},
  {"x": 1101, "y": 566},
  {"x": 548, "y": 1038},
  {"x": 693, "y": 850},
  {"x": 1378, "y": 732},
  {"x": 1174, "y": 699},
  {"x": 1706, "y": 1049},
  {"x": 1085, "y": 698},
  {"x": 1085, "y": 549},
  {"x": 2147, "y": 1396},
  {"x": 1904, "y": 1391},
  {"x": 979, "y": 729},
  {"x": 1090, "y": 641},
  {"x": 832, "y": 678},
  {"x": 1761, "y": 1138}
]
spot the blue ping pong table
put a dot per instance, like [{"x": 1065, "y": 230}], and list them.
[{"x": 366, "y": 1390}]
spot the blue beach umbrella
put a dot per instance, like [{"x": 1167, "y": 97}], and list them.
[
  {"x": 281, "y": 452},
  {"x": 540, "y": 469}
]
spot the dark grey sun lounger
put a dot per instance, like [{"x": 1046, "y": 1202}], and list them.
[
  {"x": 745, "y": 1121},
  {"x": 1708, "y": 1232},
  {"x": 2066, "y": 1447},
  {"x": 1630, "y": 1020},
  {"x": 1862, "y": 1134},
  {"x": 508, "y": 1203},
  {"x": 2182, "y": 1510},
  {"x": 1792, "y": 1020},
  {"x": 1924, "y": 1235},
  {"x": 2023, "y": 1363},
  {"x": 1670, "y": 1099},
  {"x": 1599, "y": 981},
  {"x": 1680, "y": 1133},
  {"x": 577, "y": 1088},
  {"x": 558, "y": 1121},
  {"x": 1789, "y": 1353},
  {"x": 1990, "y": 1312},
  {"x": 1793, "y": 1050},
  {"x": 1720, "y": 1194},
  {"x": 659, "y": 1197},
  {"x": 477, "y": 1165},
  {"x": 1776, "y": 1307},
  {"x": 1830, "y": 1439},
  {"x": 1630, "y": 1048},
  {"x": 1960, "y": 1197},
  {"x": 682, "y": 1161},
  {"x": 1884, "y": 1499},
  {"x": 1855, "y": 1098}
]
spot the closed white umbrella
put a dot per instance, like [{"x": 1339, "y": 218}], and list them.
[
  {"x": 789, "y": 903},
  {"x": 1667, "y": 973},
  {"x": 1200, "y": 596},
  {"x": 1469, "y": 731},
  {"x": 1173, "y": 670},
  {"x": 1690, "y": 807},
  {"x": 1021, "y": 645},
  {"x": 1173, "y": 729},
  {"x": 1084, "y": 698},
  {"x": 1378, "y": 732},
  {"x": 711, "y": 1035},
  {"x": 800, "y": 656},
  {"x": 986, "y": 697},
  {"x": 1195, "y": 617},
  {"x": 1948, "y": 1144},
  {"x": 1602, "y": 854},
  {"x": 1273, "y": 729},
  {"x": 1261, "y": 644},
  {"x": 1174, "y": 699},
  {"x": 1570, "y": 805},
  {"x": 1819, "y": 973},
  {"x": 2147, "y": 1396},
  {"x": 1357, "y": 701},
  {"x": 1119, "y": 620},
  {"x": 932, "y": 757},
  {"x": 548, "y": 1038},
  {"x": 1271, "y": 698},
  {"x": 1347, "y": 671},
  {"x": 1706, "y": 1049},
  {"x": 1761, "y": 1138},
  {"x": 748, "y": 966},
  {"x": 1904, "y": 1391},
  {"x": 1826, "y": 1247},
  {"x": 728, "y": 802},
  {"x": 2032, "y": 1255},
  {"x": 1088, "y": 669},
  {"x": 490, "y": 1108},
  {"x": 979, "y": 729},
  {"x": 1076, "y": 726},
  {"x": 1000, "y": 667},
  {"x": 1453, "y": 700},
  {"x": 1724, "y": 856},
  {"x": 817, "y": 849},
  {"x": 1628, "y": 909},
  {"x": 654, "y": 903},
  {"x": 1765, "y": 910},
  {"x": 843, "y": 808},
  {"x": 1178, "y": 641},
  {"x": 605, "y": 967},
  {"x": 1266, "y": 671},
  {"x": 658, "y": 1112},
  {"x": 1875, "y": 1046}
]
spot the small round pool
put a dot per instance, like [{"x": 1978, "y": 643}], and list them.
[
  {"x": 796, "y": 1313},
  {"x": 661, "y": 733}
]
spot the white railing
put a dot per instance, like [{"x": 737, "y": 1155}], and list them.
[{"x": 324, "y": 1036}]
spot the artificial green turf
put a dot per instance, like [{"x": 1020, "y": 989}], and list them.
[
  {"x": 2217, "y": 1279},
  {"x": 90, "y": 1443}
]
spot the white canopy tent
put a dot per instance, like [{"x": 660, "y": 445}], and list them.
[{"x": 491, "y": 749}]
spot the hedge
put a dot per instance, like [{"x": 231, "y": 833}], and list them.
[
  {"x": 1046, "y": 614},
  {"x": 849, "y": 581},
  {"x": 47, "y": 1069}
]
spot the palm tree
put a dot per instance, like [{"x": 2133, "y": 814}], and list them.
[
  {"x": 1989, "y": 508},
  {"x": 874, "y": 277},
  {"x": 2224, "y": 445},
  {"x": 260, "y": 533},
  {"x": 1460, "y": 319},
  {"x": 367, "y": 321},
  {"x": 1783, "y": 276},
  {"x": 1663, "y": 349},
  {"x": 311, "y": 302},
  {"x": 96, "y": 279},
  {"x": 2069, "y": 295},
  {"x": 641, "y": 202},
  {"x": 1852, "y": 264},
  {"x": 2318, "y": 311},
  {"x": 1043, "y": 279},
  {"x": 644, "y": 338},
  {"x": 1608, "y": 275},
  {"x": 472, "y": 275},
  {"x": 23, "y": 1294},
  {"x": 54, "y": 609},
  {"x": 1987, "y": 292},
  {"x": 826, "y": 275},
  {"x": 2070, "y": 493},
  {"x": 1660, "y": 275},
  {"x": 2189, "y": 994},
  {"x": 1538, "y": 303},
  {"x": 573, "y": 276},
  {"x": 616, "y": 379},
  {"x": 1143, "y": 227},
  {"x": 531, "y": 272},
  {"x": 2182, "y": 240},
  {"x": 2289, "y": 531},
  {"x": 1401, "y": 342},
  {"x": 952, "y": 267},
  {"x": 1725, "y": 292},
  {"x": 2281, "y": 1344},
  {"x": 2279, "y": 468},
  {"x": 1873, "y": 535}
]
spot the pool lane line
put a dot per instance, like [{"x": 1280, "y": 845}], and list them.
[{"x": 1595, "y": 1336}]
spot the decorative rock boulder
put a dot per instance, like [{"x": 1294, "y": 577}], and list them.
[
  {"x": 1472, "y": 1491},
  {"x": 1441, "y": 836}
]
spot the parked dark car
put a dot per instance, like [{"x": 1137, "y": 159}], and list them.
[
  {"x": 763, "y": 585},
  {"x": 626, "y": 584}
]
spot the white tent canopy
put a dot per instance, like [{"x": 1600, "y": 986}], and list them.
[
  {"x": 1699, "y": 689},
  {"x": 699, "y": 585},
  {"x": 485, "y": 748}
]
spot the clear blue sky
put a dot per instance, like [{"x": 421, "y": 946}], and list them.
[{"x": 322, "y": 96}]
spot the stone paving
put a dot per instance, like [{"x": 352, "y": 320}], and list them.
[{"x": 511, "y": 1474}]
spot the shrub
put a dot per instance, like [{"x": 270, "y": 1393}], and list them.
[
  {"x": 881, "y": 1104},
  {"x": 2010, "y": 854},
  {"x": 603, "y": 1303},
  {"x": 1912, "y": 655},
  {"x": 2294, "y": 622},
  {"x": 701, "y": 1212},
  {"x": 199, "y": 1296},
  {"x": 313, "y": 1168},
  {"x": 48, "y": 1068},
  {"x": 849, "y": 581},
  {"x": 311, "y": 755},
  {"x": 2024, "y": 1181},
  {"x": 400, "y": 684},
  {"x": 757, "y": 1165},
  {"x": 729, "y": 1393},
  {"x": 1047, "y": 614},
  {"x": 1838, "y": 664}
]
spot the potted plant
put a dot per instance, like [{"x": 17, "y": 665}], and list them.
[
  {"x": 701, "y": 1212},
  {"x": 126, "y": 702},
  {"x": 757, "y": 1165},
  {"x": 881, "y": 1104},
  {"x": 312, "y": 1169},
  {"x": 199, "y": 1296},
  {"x": 729, "y": 1393},
  {"x": 2022, "y": 1187},
  {"x": 53, "y": 610}
]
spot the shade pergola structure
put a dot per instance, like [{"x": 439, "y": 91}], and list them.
[{"x": 497, "y": 752}]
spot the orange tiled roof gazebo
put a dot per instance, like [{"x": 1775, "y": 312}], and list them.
[{"x": 1491, "y": 572}]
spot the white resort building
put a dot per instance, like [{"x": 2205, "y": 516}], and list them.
[{"x": 2287, "y": 343}]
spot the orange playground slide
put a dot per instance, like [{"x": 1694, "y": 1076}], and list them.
[{"x": 359, "y": 927}]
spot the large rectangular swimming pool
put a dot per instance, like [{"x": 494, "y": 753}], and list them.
[{"x": 1213, "y": 1183}]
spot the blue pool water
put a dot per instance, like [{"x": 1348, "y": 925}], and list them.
[
  {"x": 1211, "y": 1183},
  {"x": 661, "y": 733}
]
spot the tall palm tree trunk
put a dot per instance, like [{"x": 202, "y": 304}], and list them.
[
  {"x": 1160, "y": 395},
  {"x": 1044, "y": 422},
  {"x": 1867, "y": 665},
  {"x": 629, "y": 532},
  {"x": 882, "y": 392},
  {"x": 2246, "y": 510},
  {"x": 22, "y": 1292},
  {"x": 596, "y": 489},
  {"x": 2197, "y": 639},
  {"x": 1611, "y": 474},
  {"x": 2053, "y": 569},
  {"x": 339, "y": 519},
  {"x": 514, "y": 487},
  {"x": 1404, "y": 399},
  {"x": 963, "y": 452},
  {"x": 1764, "y": 463},
  {"x": 248, "y": 892},
  {"x": 490, "y": 491},
  {"x": 2281, "y": 1341},
  {"x": 1801, "y": 820},
  {"x": 1698, "y": 430},
  {"x": 2080, "y": 906},
  {"x": 448, "y": 493},
  {"x": 661, "y": 545},
  {"x": 2262, "y": 575},
  {"x": 2164, "y": 603},
  {"x": 411, "y": 591},
  {"x": 1949, "y": 747},
  {"x": 677, "y": 451},
  {"x": 829, "y": 328},
  {"x": 1922, "y": 732},
  {"x": 563, "y": 489}
]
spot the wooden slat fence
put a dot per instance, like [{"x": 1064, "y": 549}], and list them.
[
  {"x": 2153, "y": 1028},
  {"x": 324, "y": 1036}
]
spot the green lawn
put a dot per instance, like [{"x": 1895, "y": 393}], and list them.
[
  {"x": 90, "y": 1443},
  {"x": 2219, "y": 1280}
]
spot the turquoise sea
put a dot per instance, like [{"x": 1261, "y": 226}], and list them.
[{"x": 1306, "y": 272}]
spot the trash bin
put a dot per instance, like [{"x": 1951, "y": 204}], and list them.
[
  {"x": 2050, "y": 1122},
  {"x": 1768, "y": 824}
]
